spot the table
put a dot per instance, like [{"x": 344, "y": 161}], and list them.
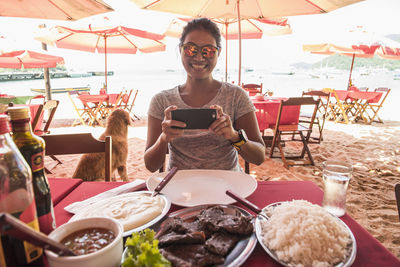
[
  {"x": 267, "y": 112},
  {"x": 61, "y": 187},
  {"x": 6, "y": 99},
  {"x": 369, "y": 251},
  {"x": 97, "y": 106}
]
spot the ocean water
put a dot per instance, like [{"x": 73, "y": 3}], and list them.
[{"x": 149, "y": 82}]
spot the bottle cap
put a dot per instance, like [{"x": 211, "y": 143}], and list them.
[
  {"x": 18, "y": 113},
  {"x": 4, "y": 124}
]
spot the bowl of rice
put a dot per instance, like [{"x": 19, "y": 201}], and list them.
[{"x": 299, "y": 233}]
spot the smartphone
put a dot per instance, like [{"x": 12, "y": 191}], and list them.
[{"x": 198, "y": 118}]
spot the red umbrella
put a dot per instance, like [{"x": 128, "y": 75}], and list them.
[
  {"x": 104, "y": 39},
  {"x": 28, "y": 59},
  {"x": 53, "y": 9},
  {"x": 250, "y": 29},
  {"x": 356, "y": 43},
  {"x": 243, "y": 9}
]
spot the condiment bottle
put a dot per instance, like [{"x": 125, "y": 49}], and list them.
[
  {"x": 32, "y": 147},
  {"x": 16, "y": 198}
]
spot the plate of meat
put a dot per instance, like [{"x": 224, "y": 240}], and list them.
[{"x": 207, "y": 235}]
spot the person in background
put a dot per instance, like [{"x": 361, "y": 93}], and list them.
[{"x": 235, "y": 131}]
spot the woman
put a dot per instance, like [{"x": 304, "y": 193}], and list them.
[{"x": 217, "y": 147}]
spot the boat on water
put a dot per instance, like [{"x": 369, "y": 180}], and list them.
[{"x": 62, "y": 90}]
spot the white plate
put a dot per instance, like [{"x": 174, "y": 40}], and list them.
[
  {"x": 347, "y": 262},
  {"x": 148, "y": 224},
  {"x": 190, "y": 188}
]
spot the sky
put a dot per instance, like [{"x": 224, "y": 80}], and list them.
[{"x": 378, "y": 16}]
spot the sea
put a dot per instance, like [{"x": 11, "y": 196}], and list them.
[{"x": 149, "y": 82}]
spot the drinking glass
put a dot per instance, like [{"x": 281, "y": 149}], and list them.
[{"x": 336, "y": 176}]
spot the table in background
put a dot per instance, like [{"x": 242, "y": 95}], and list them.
[
  {"x": 369, "y": 251},
  {"x": 61, "y": 187},
  {"x": 95, "y": 105},
  {"x": 33, "y": 108},
  {"x": 267, "y": 112},
  {"x": 6, "y": 99}
]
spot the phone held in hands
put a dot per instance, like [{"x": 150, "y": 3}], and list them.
[{"x": 198, "y": 118}]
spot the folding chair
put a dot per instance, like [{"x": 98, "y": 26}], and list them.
[
  {"x": 375, "y": 107},
  {"x": 397, "y": 193},
  {"x": 337, "y": 108},
  {"x": 42, "y": 97},
  {"x": 83, "y": 113},
  {"x": 294, "y": 128},
  {"x": 50, "y": 108},
  {"x": 322, "y": 113},
  {"x": 81, "y": 143},
  {"x": 128, "y": 101},
  {"x": 253, "y": 88}
]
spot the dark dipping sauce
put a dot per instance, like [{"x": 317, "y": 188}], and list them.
[{"x": 88, "y": 240}]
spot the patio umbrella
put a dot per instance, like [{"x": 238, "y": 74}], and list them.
[
  {"x": 356, "y": 43},
  {"x": 28, "y": 59},
  {"x": 250, "y": 29},
  {"x": 243, "y": 9},
  {"x": 104, "y": 39},
  {"x": 53, "y": 9}
]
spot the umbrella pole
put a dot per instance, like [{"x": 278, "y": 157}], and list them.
[
  {"x": 226, "y": 51},
  {"x": 46, "y": 76},
  {"x": 105, "y": 60},
  {"x": 240, "y": 42},
  {"x": 351, "y": 70}
]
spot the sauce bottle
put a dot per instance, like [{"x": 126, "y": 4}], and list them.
[
  {"x": 32, "y": 147},
  {"x": 16, "y": 198}
]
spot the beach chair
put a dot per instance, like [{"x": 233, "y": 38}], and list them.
[
  {"x": 397, "y": 193},
  {"x": 373, "y": 108},
  {"x": 128, "y": 101},
  {"x": 80, "y": 143},
  {"x": 253, "y": 88},
  {"x": 321, "y": 113},
  {"x": 41, "y": 97},
  {"x": 83, "y": 113},
  {"x": 304, "y": 132},
  {"x": 337, "y": 108},
  {"x": 50, "y": 108}
]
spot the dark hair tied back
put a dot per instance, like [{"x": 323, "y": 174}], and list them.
[{"x": 204, "y": 24}]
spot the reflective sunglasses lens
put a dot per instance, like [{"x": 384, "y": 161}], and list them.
[
  {"x": 208, "y": 51},
  {"x": 190, "y": 50}
]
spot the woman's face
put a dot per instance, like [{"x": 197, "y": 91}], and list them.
[{"x": 200, "y": 65}]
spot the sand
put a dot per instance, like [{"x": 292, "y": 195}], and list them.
[{"x": 374, "y": 150}]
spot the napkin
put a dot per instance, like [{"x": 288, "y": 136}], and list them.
[{"x": 125, "y": 188}]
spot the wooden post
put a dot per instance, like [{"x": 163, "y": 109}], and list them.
[{"x": 46, "y": 73}]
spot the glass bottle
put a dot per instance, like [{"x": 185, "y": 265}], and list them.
[
  {"x": 17, "y": 199},
  {"x": 32, "y": 147}
]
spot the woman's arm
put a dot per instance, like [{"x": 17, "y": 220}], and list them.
[{"x": 159, "y": 134}]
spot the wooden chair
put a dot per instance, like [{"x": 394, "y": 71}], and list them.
[
  {"x": 294, "y": 129},
  {"x": 83, "y": 113},
  {"x": 41, "y": 97},
  {"x": 337, "y": 109},
  {"x": 321, "y": 113},
  {"x": 374, "y": 108},
  {"x": 81, "y": 143},
  {"x": 50, "y": 108},
  {"x": 397, "y": 193},
  {"x": 128, "y": 101},
  {"x": 253, "y": 88}
]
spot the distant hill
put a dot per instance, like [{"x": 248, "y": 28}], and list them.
[
  {"x": 302, "y": 65},
  {"x": 394, "y": 37}
]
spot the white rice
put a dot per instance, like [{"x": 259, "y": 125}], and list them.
[{"x": 304, "y": 234}]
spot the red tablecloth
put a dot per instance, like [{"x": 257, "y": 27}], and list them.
[
  {"x": 267, "y": 112},
  {"x": 61, "y": 187},
  {"x": 33, "y": 108},
  {"x": 111, "y": 98},
  {"x": 369, "y": 251},
  {"x": 371, "y": 97}
]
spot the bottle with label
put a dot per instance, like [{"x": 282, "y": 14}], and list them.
[
  {"x": 17, "y": 199},
  {"x": 32, "y": 147}
]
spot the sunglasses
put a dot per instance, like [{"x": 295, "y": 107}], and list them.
[{"x": 207, "y": 51}]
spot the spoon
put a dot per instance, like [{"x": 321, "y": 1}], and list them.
[
  {"x": 9, "y": 225},
  {"x": 247, "y": 204}
]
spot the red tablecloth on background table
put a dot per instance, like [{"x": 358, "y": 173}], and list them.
[
  {"x": 369, "y": 251},
  {"x": 61, "y": 187},
  {"x": 267, "y": 112}
]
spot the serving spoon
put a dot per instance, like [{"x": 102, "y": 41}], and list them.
[
  {"x": 9, "y": 225},
  {"x": 253, "y": 207}
]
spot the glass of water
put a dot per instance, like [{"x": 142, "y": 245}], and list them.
[{"x": 336, "y": 176}]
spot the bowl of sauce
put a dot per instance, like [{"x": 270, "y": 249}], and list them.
[{"x": 95, "y": 242}]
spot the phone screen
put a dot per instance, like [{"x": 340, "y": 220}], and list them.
[{"x": 195, "y": 118}]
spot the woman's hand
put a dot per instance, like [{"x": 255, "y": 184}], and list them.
[
  {"x": 222, "y": 125},
  {"x": 168, "y": 133}
]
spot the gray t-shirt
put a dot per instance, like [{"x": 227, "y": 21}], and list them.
[{"x": 199, "y": 149}]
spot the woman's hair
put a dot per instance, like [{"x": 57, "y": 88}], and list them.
[{"x": 204, "y": 24}]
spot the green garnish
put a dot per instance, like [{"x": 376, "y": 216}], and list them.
[{"x": 142, "y": 251}]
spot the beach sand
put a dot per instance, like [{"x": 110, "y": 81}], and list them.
[{"x": 373, "y": 150}]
